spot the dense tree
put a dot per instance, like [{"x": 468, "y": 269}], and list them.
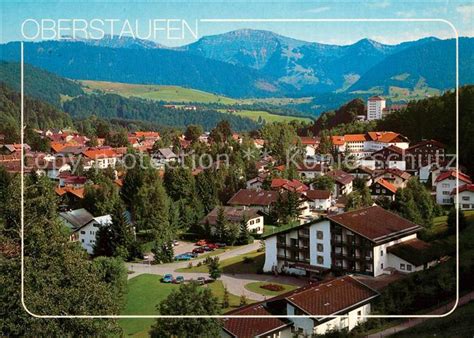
[
  {"x": 189, "y": 299},
  {"x": 214, "y": 267},
  {"x": 206, "y": 189},
  {"x": 179, "y": 183},
  {"x": 117, "y": 139},
  {"x": 282, "y": 141},
  {"x": 222, "y": 132},
  {"x": 116, "y": 239},
  {"x": 244, "y": 235},
  {"x": 152, "y": 213},
  {"x": 55, "y": 271},
  {"x": 451, "y": 221},
  {"x": 101, "y": 199},
  {"x": 193, "y": 132},
  {"x": 324, "y": 183}
]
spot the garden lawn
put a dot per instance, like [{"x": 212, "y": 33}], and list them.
[
  {"x": 146, "y": 291},
  {"x": 235, "y": 265},
  {"x": 256, "y": 287}
]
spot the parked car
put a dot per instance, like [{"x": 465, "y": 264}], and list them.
[
  {"x": 178, "y": 280},
  {"x": 221, "y": 245},
  {"x": 212, "y": 246},
  {"x": 207, "y": 248},
  {"x": 192, "y": 254},
  {"x": 168, "y": 278},
  {"x": 198, "y": 250},
  {"x": 201, "y": 242},
  {"x": 201, "y": 280},
  {"x": 175, "y": 243},
  {"x": 183, "y": 257}
]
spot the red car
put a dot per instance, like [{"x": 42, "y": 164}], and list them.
[
  {"x": 198, "y": 250},
  {"x": 201, "y": 242},
  {"x": 212, "y": 246}
]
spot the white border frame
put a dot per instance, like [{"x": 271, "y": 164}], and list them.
[{"x": 255, "y": 316}]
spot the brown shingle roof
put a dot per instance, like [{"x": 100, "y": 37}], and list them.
[
  {"x": 331, "y": 297},
  {"x": 252, "y": 327},
  {"x": 375, "y": 223},
  {"x": 253, "y": 197},
  {"x": 232, "y": 214},
  {"x": 340, "y": 176},
  {"x": 318, "y": 194}
]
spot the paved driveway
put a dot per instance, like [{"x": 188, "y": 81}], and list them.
[{"x": 235, "y": 283}]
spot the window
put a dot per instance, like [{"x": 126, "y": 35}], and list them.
[
  {"x": 408, "y": 267},
  {"x": 402, "y": 266},
  {"x": 82, "y": 240},
  {"x": 320, "y": 260},
  {"x": 381, "y": 252},
  {"x": 359, "y": 313},
  {"x": 252, "y": 222},
  {"x": 465, "y": 198},
  {"x": 381, "y": 265},
  {"x": 258, "y": 220},
  {"x": 83, "y": 232},
  {"x": 465, "y": 206},
  {"x": 319, "y": 234},
  {"x": 320, "y": 247},
  {"x": 446, "y": 193}
]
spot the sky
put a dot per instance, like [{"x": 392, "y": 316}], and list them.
[{"x": 459, "y": 13}]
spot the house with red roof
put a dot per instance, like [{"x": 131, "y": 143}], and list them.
[
  {"x": 319, "y": 200},
  {"x": 383, "y": 189},
  {"x": 101, "y": 158},
  {"x": 288, "y": 185},
  {"x": 446, "y": 182},
  {"x": 466, "y": 196},
  {"x": 343, "y": 182}
]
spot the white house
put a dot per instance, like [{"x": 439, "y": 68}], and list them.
[
  {"x": 351, "y": 242},
  {"x": 446, "y": 182},
  {"x": 466, "y": 197},
  {"x": 84, "y": 226},
  {"x": 343, "y": 182},
  {"x": 100, "y": 158},
  {"x": 256, "y": 199},
  {"x": 375, "y": 107},
  {"x": 319, "y": 200}
]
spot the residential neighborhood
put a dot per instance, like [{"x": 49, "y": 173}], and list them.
[{"x": 236, "y": 170}]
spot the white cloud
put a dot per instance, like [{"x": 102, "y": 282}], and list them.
[
  {"x": 466, "y": 12},
  {"x": 318, "y": 10}
]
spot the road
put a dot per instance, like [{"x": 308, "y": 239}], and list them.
[
  {"x": 235, "y": 283},
  {"x": 415, "y": 321}
]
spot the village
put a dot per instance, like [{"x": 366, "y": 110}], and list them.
[{"x": 327, "y": 230}]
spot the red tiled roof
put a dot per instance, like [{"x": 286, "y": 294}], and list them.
[
  {"x": 293, "y": 185},
  {"x": 147, "y": 134},
  {"x": 331, "y": 297},
  {"x": 387, "y": 185},
  {"x": 253, "y": 197},
  {"x": 318, "y": 194},
  {"x": 252, "y": 327},
  {"x": 99, "y": 153},
  {"x": 338, "y": 140},
  {"x": 386, "y": 136},
  {"x": 454, "y": 174},
  {"x": 394, "y": 171},
  {"x": 414, "y": 251},
  {"x": 354, "y": 138},
  {"x": 375, "y": 223},
  {"x": 465, "y": 187}
]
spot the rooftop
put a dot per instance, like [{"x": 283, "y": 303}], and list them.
[
  {"x": 375, "y": 223},
  {"x": 253, "y": 197}
]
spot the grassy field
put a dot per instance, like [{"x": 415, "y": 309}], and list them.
[
  {"x": 245, "y": 263},
  {"x": 156, "y": 92},
  {"x": 458, "y": 324},
  {"x": 255, "y": 114},
  {"x": 146, "y": 291},
  {"x": 256, "y": 287}
]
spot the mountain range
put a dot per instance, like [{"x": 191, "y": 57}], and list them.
[{"x": 256, "y": 63}]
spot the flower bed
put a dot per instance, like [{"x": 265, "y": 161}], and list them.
[{"x": 272, "y": 287}]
